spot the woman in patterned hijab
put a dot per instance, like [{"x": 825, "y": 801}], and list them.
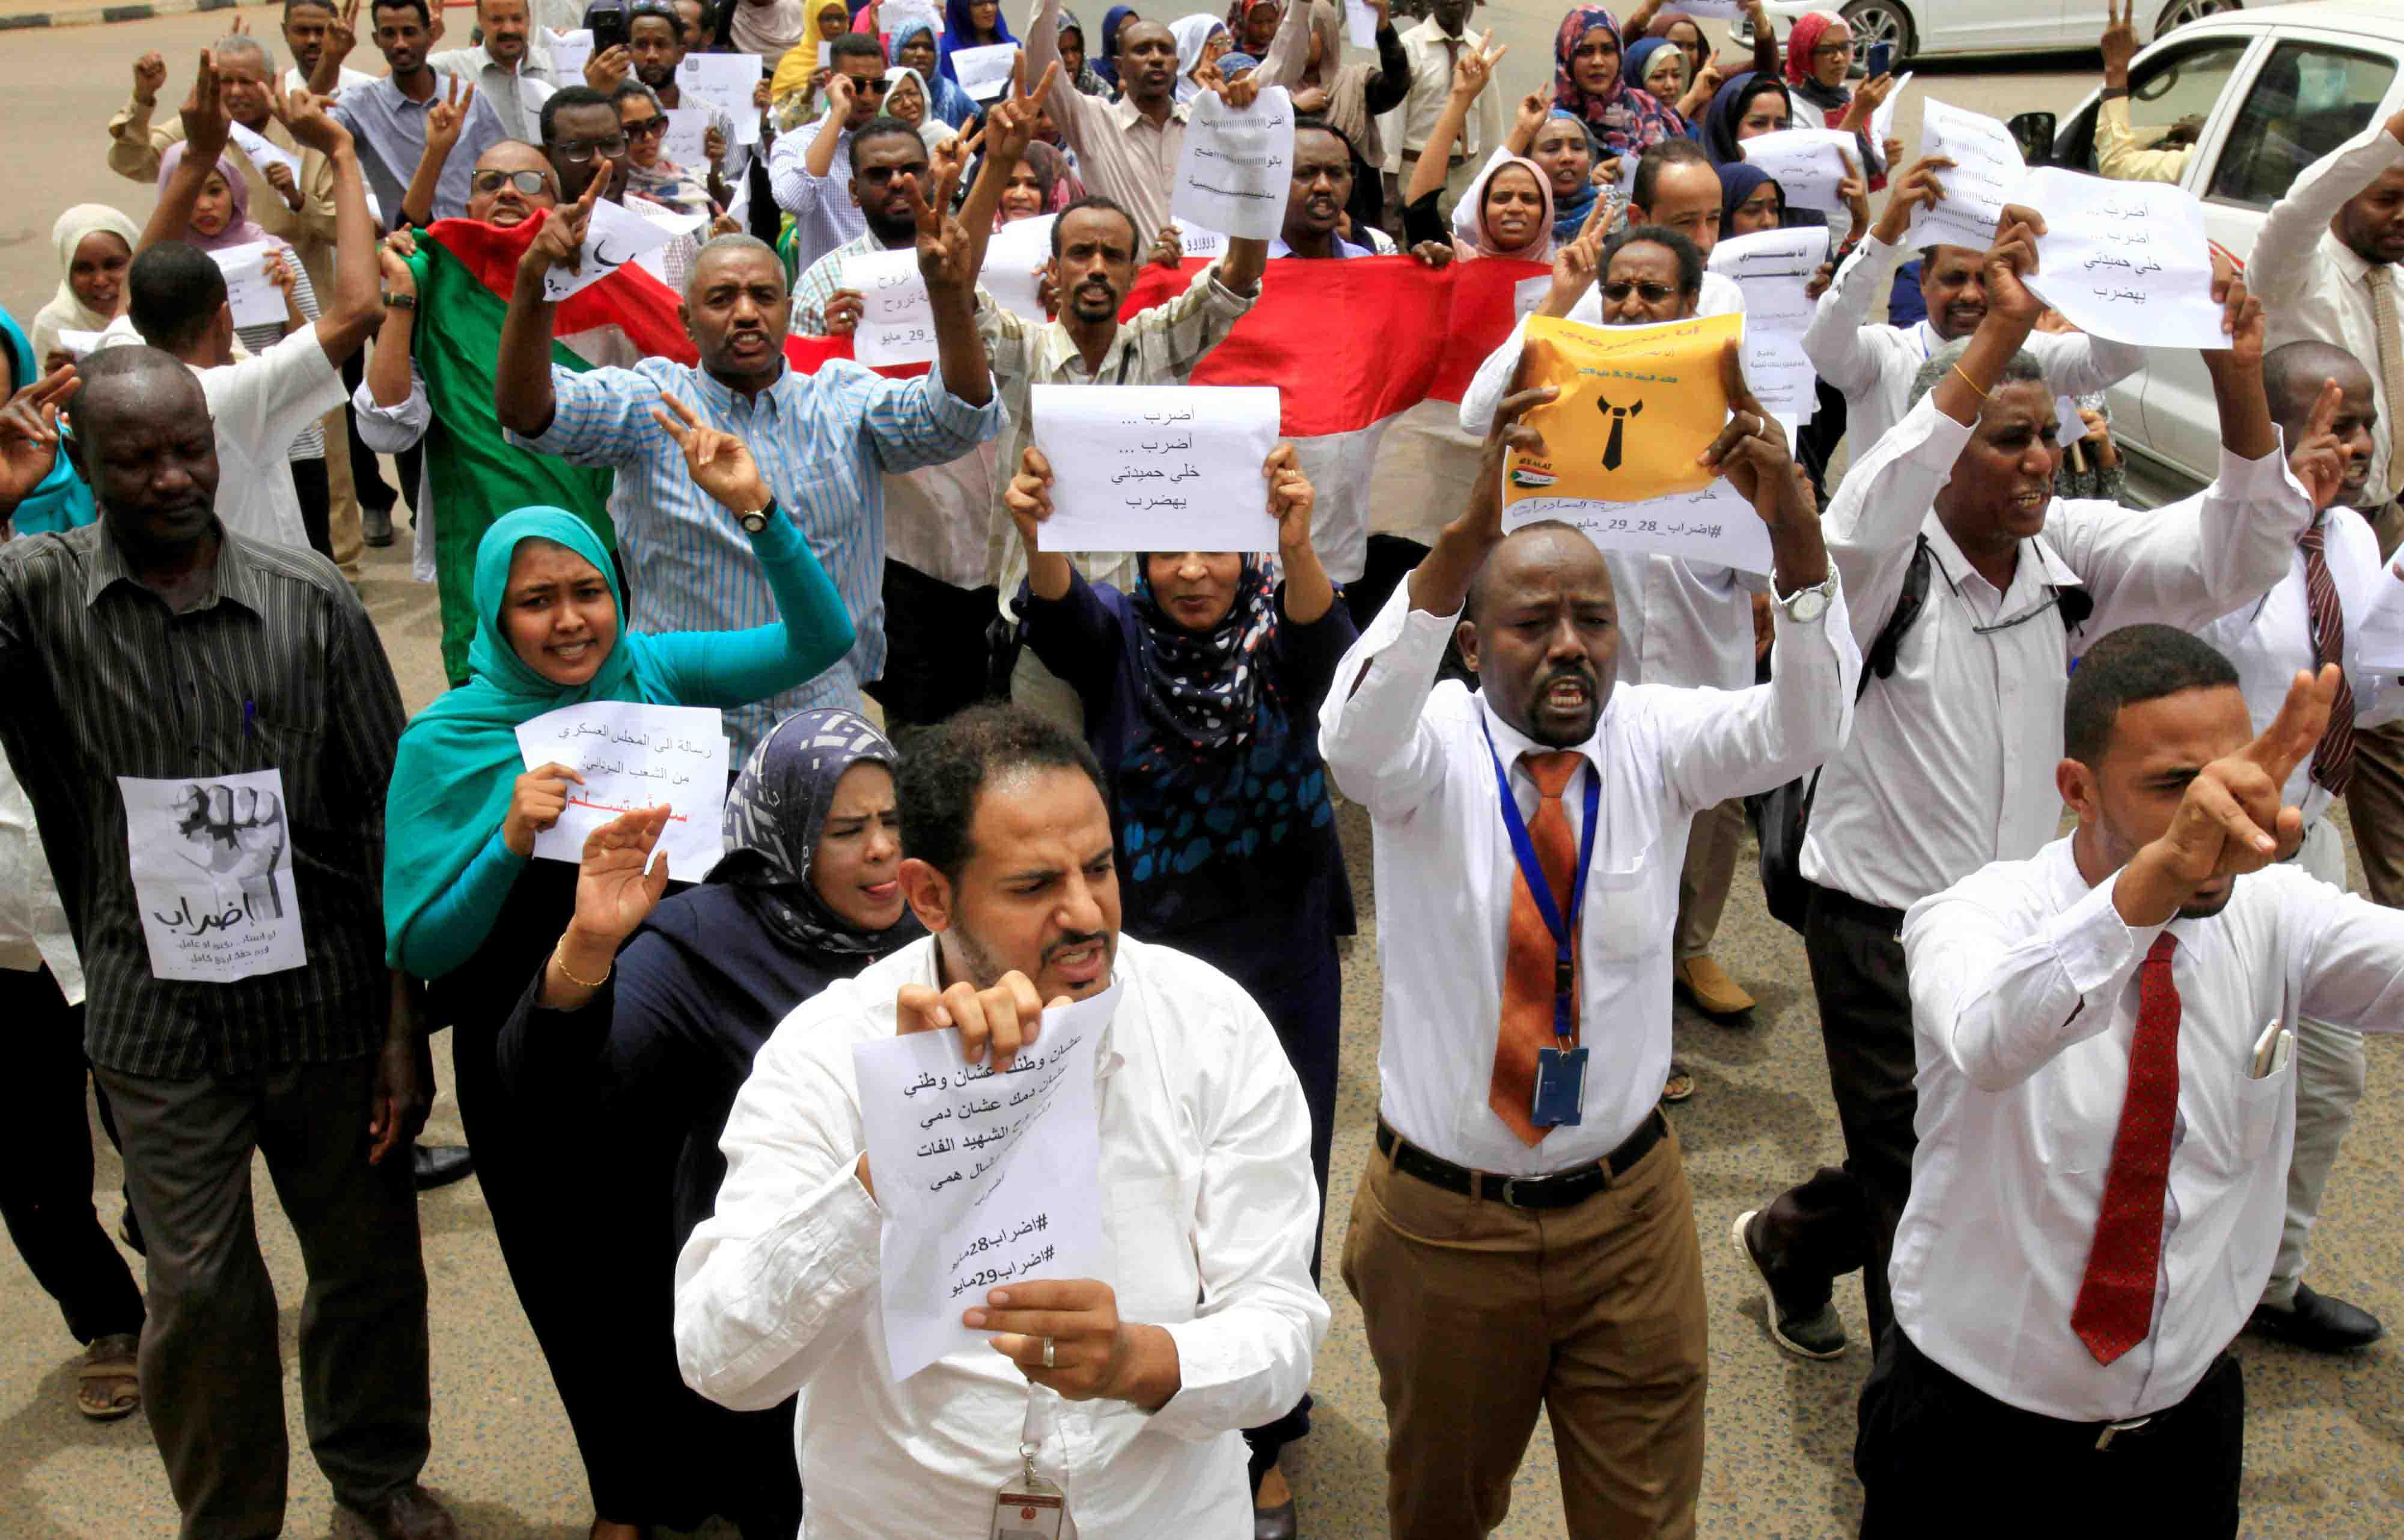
[{"x": 1590, "y": 84}]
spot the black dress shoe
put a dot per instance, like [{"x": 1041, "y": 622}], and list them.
[
  {"x": 1277, "y": 1523},
  {"x": 409, "y": 1513},
  {"x": 439, "y": 1165},
  {"x": 375, "y": 526},
  {"x": 2318, "y": 1321}
]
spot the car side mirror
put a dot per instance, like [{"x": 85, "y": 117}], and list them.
[{"x": 2033, "y": 131}]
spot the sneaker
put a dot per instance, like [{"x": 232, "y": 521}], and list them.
[
  {"x": 2318, "y": 1321},
  {"x": 1813, "y": 1331},
  {"x": 1707, "y": 985}
]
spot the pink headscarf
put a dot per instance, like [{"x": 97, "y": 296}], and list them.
[
  {"x": 1803, "y": 39},
  {"x": 239, "y": 230},
  {"x": 1470, "y": 236}
]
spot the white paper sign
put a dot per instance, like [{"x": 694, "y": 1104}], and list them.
[
  {"x": 570, "y": 51},
  {"x": 256, "y": 300},
  {"x": 897, "y": 319},
  {"x": 1156, "y": 467},
  {"x": 1987, "y": 173},
  {"x": 79, "y": 344},
  {"x": 686, "y": 145},
  {"x": 983, "y": 72},
  {"x": 1711, "y": 10},
  {"x": 1773, "y": 269},
  {"x": 636, "y": 756},
  {"x": 895, "y": 16},
  {"x": 1014, "y": 260},
  {"x": 984, "y": 1179},
  {"x": 1359, "y": 24},
  {"x": 2126, "y": 260},
  {"x": 1236, "y": 169},
  {"x": 263, "y": 151},
  {"x": 617, "y": 236},
  {"x": 725, "y": 81},
  {"x": 1714, "y": 526},
  {"x": 1882, "y": 115},
  {"x": 1806, "y": 164},
  {"x": 1196, "y": 241},
  {"x": 2380, "y": 634},
  {"x": 212, "y": 864}
]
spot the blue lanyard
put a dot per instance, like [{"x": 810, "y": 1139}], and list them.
[{"x": 1533, "y": 871}]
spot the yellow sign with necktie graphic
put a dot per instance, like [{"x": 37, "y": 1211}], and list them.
[{"x": 1637, "y": 405}]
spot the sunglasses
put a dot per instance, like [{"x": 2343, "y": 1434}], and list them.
[
  {"x": 578, "y": 152},
  {"x": 647, "y": 128},
  {"x": 1618, "y": 291},
  {"x": 529, "y": 182}
]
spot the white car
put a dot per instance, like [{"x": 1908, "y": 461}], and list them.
[
  {"x": 1918, "y": 28},
  {"x": 2275, "y": 90}
]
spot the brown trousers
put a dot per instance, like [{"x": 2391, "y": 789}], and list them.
[
  {"x": 1480, "y": 1315},
  {"x": 2374, "y": 799}
]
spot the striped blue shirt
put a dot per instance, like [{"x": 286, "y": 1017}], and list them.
[{"x": 823, "y": 443}]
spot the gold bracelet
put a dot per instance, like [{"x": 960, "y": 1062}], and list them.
[
  {"x": 1967, "y": 380},
  {"x": 559, "y": 955}
]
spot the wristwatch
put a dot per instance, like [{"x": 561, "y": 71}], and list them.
[
  {"x": 757, "y": 519},
  {"x": 1805, "y": 605},
  {"x": 399, "y": 301}
]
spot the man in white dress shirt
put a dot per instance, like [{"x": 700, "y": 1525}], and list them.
[
  {"x": 1873, "y": 364},
  {"x": 2106, "y": 1117},
  {"x": 1949, "y": 764},
  {"x": 1206, "y": 1163},
  {"x": 508, "y": 68},
  {"x": 2320, "y": 396},
  {"x": 1524, "y": 1237}
]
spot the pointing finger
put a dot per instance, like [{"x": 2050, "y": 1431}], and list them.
[{"x": 2303, "y": 717}]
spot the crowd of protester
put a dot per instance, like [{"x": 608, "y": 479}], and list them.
[{"x": 974, "y": 777}]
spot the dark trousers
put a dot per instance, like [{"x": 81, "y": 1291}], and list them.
[
  {"x": 1844, "y": 1216},
  {"x": 316, "y": 504},
  {"x": 212, "y": 1381},
  {"x": 1937, "y": 1456},
  {"x": 46, "y": 1164},
  {"x": 936, "y": 660},
  {"x": 367, "y": 471}
]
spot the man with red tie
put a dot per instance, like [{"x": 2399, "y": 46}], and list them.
[
  {"x": 1523, "y": 1239},
  {"x": 2107, "y": 1079}
]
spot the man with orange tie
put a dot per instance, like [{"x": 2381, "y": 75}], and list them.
[
  {"x": 1524, "y": 1237},
  {"x": 2107, "y": 1070}
]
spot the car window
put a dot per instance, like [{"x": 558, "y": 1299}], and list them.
[
  {"x": 2309, "y": 99},
  {"x": 2170, "y": 95}
]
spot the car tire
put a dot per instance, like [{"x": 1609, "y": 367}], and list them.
[
  {"x": 2178, "y": 13},
  {"x": 1880, "y": 22}
]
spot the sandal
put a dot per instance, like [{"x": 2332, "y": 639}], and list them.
[
  {"x": 1680, "y": 1086},
  {"x": 108, "y": 1381}
]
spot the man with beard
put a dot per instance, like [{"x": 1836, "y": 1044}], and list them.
[
  {"x": 508, "y": 70},
  {"x": 1951, "y": 520},
  {"x": 1205, "y": 1145},
  {"x": 824, "y": 441},
  {"x": 655, "y": 41},
  {"x": 264, "y": 778},
  {"x": 1873, "y": 362},
  {"x": 1097, "y": 246},
  {"x": 2106, "y": 1119},
  {"x": 1127, "y": 150},
  {"x": 802, "y": 167},
  {"x": 1524, "y": 1237},
  {"x": 388, "y": 117},
  {"x": 2318, "y": 393},
  {"x": 586, "y": 145}
]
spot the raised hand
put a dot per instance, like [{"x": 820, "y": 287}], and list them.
[
  {"x": 560, "y": 242},
  {"x": 1751, "y": 450},
  {"x": 2010, "y": 260},
  {"x": 342, "y": 36},
  {"x": 841, "y": 312},
  {"x": 446, "y": 115},
  {"x": 1916, "y": 188},
  {"x": 719, "y": 464},
  {"x": 840, "y": 89},
  {"x": 1482, "y": 520},
  {"x": 618, "y": 882},
  {"x": 392, "y": 269},
  {"x": 944, "y": 258},
  {"x": 207, "y": 126},
  {"x": 1854, "y": 189},
  {"x": 1238, "y": 94},
  {"x": 1821, "y": 276},
  {"x": 2119, "y": 42},
  {"x": 607, "y": 68},
  {"x": 29, "y": 433},
  {"x": 1575, "y": 267},
  {"x": 2240, "y": 313},
  {"x": 304, "y": 116},
  {"x": 949, "y": 161},
  {"x": 2320, "y": 459},
  {"x": 150, "y": 74},
  {"x": 1029, "y": 497},
  {"x": 1290, "y": 498},
  {"x": 536, "y": 798},
  {"x": 1168, "y": 247},
  {"x": 1534, "y": 108},
  {"x": 279, "y": 273},
  {"x": 1474, "y": 68},
  {"x": 1011, "y": 123},
  {"x": 713, "y": 146},
  {"x": 279, "y": 176},
  {"x": 1867, "y": 99}
]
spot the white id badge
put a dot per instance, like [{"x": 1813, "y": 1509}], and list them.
[{"x": 1029, "y": 1508}]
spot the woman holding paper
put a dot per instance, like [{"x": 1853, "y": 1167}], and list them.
[
  {"x": 468, "y": 906},
  {"x": 95, "y": 245},
  {"x": 912, "y": 48},
  {"x": 649, "y": 1011},
  {"x": 971, "y": 25},
  {"x": 1818, "y": 58},
  {"x": 1201, "y": 691}
]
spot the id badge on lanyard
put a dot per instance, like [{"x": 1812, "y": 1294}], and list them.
[
  {"x": 1559, "y": 1100},
  {"x": 1028, "y": 1506}
]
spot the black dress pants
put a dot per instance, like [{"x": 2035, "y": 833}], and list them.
[
  {"x": 1844, "y": 1216},
  {"x": 1940, "y": 1457},
  {"x": 46, "y": 1164}
]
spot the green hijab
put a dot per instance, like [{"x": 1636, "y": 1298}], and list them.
[{"x": 458, "y": 759}]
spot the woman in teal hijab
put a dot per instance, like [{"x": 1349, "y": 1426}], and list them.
[
  {"x": 468, "y": 906},
  {"x": 62, "y": 502}
]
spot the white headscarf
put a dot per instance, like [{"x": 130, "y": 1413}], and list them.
[
  {"x": 1192, "y": 35},
  {"x": 66, "y": 311}
]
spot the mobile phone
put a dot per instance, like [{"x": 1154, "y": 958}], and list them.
[
  {"x": 609, "y": 24},
  {"x": 1881, "y": 59}
]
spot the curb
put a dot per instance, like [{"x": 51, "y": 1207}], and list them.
[{"x": 98, "y": 15}]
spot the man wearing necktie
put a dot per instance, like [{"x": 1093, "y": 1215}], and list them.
[
  {"x": 2107, "y": 1103},
  {"x": 1523, "y": 1237},
  {"x": 2321, "y": 397}
]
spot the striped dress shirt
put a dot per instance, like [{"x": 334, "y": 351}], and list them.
[
  {"x": 275, "y": 667},
  {"x": 824, "y": 215},
  {"x": 823, "y": 443}
]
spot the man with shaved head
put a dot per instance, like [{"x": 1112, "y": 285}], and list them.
[
  {"x": 1524, "y": 1237},
  {"x": 157, "y": 659},
  {"x": 2322, "y": 398}
]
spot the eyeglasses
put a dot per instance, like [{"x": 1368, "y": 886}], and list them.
[
  {"x": 647, "y": 128},
  {"x": 577, "y": 151},
  {"x": 527, "y": 182},
  {"x": 1654, "y": 294},
  {"x": 1832, "y": 49},
  {"x": 883, "y": 177}
]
